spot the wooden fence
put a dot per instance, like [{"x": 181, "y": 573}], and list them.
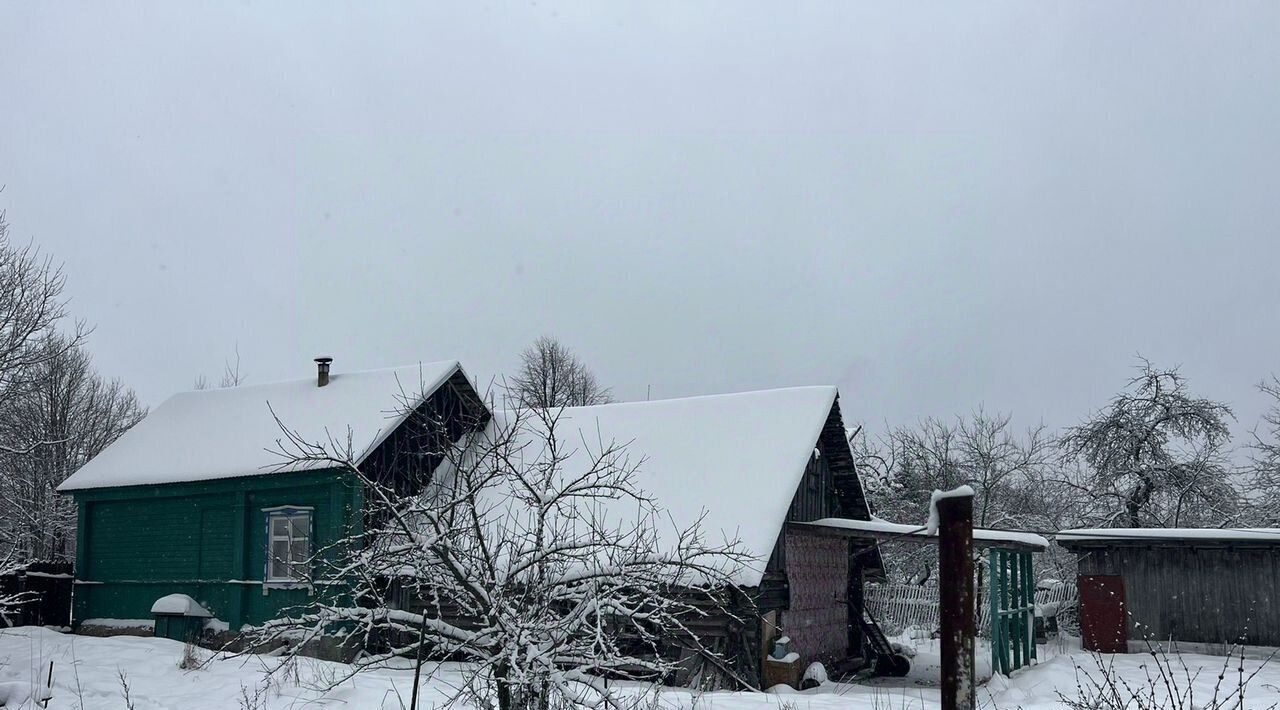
[
  {"x": 898, "y": 606},
  {"x": 44, "y": 589}
]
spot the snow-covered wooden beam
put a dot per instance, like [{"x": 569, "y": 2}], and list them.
[{"x": 884, "y": 531}]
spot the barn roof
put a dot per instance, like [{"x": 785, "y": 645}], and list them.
[
  {"x": 737, "y": 459},
  {"x": 1106, "y": 537},
  {"x": 230, "y": 432}
]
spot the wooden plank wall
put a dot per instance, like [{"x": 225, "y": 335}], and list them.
[
  {"x": 1206, "y": 594},
  {"x": 817, "y": 618},
  {"x": 815, "y": 498}
]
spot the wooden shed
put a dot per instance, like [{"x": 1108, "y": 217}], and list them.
[{"x": 1204, "y": 589}]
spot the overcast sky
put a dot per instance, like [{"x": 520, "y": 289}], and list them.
[{"x": 933, "y": 207}]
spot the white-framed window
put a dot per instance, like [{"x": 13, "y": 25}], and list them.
[{"x": 288, "y": 544}]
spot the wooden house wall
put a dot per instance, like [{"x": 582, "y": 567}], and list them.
[
  {"x": 1207, "y": 594},
  {"x": 408, "y": 457},
  {"x": 817, "y": 593},
  {"x": 206, "y": 540},
  {"x": 814, "y": 499}
]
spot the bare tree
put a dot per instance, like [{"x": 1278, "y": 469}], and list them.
[
  {"x": 231, "y": 374},
  {"x": 31, "y": 308},
  {"x": 1156, "y": 455},
  {"x": 75, "y": 414},
  {"x": 10, "y": 563},
  {"x": 1265, "y": 459},
  {"x": 533, "y": 554},
  {"x": 902, "y": 468},
  {"x": 551, "y": 375},
  {"x": 982, "y": 451}
]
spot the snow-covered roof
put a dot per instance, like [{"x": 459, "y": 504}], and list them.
[
  {"x": 738, "y": 458},
  {"x": 1166, "y": 535},
  {"x": 883, "y": 529},
  {"x": 179, "y": 605},
  {"x": 224, "y": 433}
]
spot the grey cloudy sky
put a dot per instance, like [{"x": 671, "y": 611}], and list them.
[{"x": 932, "y": 206}]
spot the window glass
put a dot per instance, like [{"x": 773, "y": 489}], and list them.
[{"x": 288, "y": 544}]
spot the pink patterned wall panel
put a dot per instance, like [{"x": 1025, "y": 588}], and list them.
[{"x": 818, "y": 572}]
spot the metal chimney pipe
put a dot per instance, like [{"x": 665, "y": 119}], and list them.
[{"x": 322, "y": 371}]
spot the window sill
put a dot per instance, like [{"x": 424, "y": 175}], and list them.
[{"x": 283, "y": 584}]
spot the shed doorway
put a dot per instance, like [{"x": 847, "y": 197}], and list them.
[{"x": 1104, "y": 625}]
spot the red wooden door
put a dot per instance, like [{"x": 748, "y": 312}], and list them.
[{"x": 1104, "y": 623}]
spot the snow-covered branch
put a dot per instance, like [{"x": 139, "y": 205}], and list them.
[{"x": 530, "y": 551}]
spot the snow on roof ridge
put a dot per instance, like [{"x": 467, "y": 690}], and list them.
[
  {"x": 421, "y": 365},
  {"x": 722, "y": 395}
]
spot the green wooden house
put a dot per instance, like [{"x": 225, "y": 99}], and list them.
[{"x": 200, "y": 499}]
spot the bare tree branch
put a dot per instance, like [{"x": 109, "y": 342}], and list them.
[{"x": 531, "y": 551}]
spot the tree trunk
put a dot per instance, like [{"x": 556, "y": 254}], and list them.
[
  {"x": 502, "y": 688},
  {"x": 1138, "y": 500}
]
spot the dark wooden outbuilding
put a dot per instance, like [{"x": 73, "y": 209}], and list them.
[{"x": 1204, "y": 589}]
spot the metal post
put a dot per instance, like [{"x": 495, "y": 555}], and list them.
[
  {"x": 1016, "y": 603},
  {"x": 1028, "y": 574},
  {"x": 955, "y": 586},
  {"x": 993, "y": 616},
  {"x": 1004, "y": 613}
]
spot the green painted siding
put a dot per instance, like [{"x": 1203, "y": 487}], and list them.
[{"x": 205, "y": 539}]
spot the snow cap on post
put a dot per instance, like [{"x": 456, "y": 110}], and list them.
[{"x": 959, "y": 492}]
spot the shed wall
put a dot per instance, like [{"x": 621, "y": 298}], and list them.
[
  {"x": 1207, "y": 594},
  {"x": 818, "y": 618}
]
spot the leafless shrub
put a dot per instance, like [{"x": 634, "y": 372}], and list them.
[
  {"x": 1167, "y": 684},
  {"x": 190, "y": 660},
  {"x": 124, "y": 689},
  {"x": 255, "y": 699}
]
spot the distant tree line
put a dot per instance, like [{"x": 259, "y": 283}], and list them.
[
  {"x": 1155, "y": 456},
  {"x": 56, "y": 410}
]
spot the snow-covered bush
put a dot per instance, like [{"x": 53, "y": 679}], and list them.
[{"x": 530, "y": 551}]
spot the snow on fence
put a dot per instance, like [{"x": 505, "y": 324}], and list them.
[{"x": 898, "y": 606}]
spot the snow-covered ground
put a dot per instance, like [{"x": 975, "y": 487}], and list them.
[{"x": 88, "y": 671}]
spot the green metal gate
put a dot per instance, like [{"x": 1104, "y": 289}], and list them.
[{"x": 1012, "y": 590}]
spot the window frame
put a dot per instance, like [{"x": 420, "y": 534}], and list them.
[{"x": 288, "y": 513}]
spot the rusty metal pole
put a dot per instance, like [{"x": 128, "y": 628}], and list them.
[{"x": 955, "y": 587}]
